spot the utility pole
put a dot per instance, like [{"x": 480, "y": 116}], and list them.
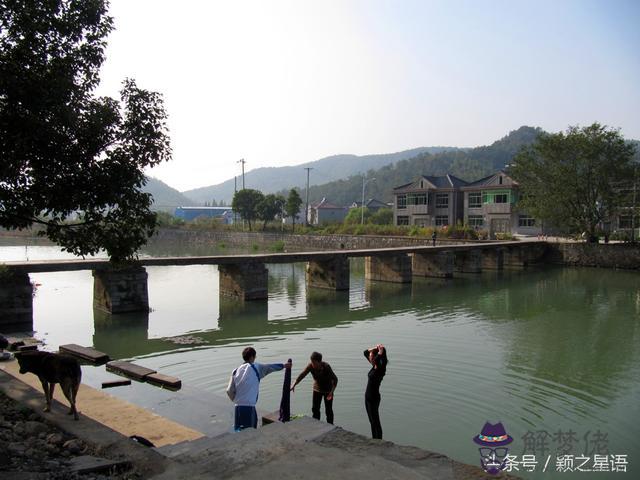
[
  {"x": 633, "y": 209},
  {"x": 242, "y": 161},
  {"x": 235, "y": 190},
  {"x": 306, "y": 210},
  {"x": 362, "y": 206}
]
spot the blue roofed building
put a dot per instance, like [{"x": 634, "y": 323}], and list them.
[{"x": 225, "y": 214}]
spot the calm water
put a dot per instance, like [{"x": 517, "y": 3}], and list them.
[{"x": 540, "y": 350}]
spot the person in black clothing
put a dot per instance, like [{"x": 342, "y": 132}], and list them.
[
  {"x": 377, "y": 357},
  {"x": 324, "y": 384}
]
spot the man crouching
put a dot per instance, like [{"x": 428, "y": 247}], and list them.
[{"x": 52, "y": 368}]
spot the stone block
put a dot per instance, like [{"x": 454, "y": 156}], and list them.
[
  {"x": 394, "y": 268},
  {"x": 433, "y": 264},
  {"x": 121, "y": 291},
  {"x": 469, "y": 261},
  {"x": 137, "y": 372},
  {"x": 245, "y": 281},
  {"x": 330, "y": 274},
  {"x": 16, "y": 301}
]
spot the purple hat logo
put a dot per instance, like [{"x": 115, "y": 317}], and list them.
[{"x": 493, "y": 453}]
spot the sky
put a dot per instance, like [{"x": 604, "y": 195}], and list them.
[{"x": 284, "y": 82}]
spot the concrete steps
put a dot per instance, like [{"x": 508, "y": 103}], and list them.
[{"x": 309, "y": 449}]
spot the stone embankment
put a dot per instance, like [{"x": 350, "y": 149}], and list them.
[
  {"x": 579, "y": 254},
  {"x": 33, "y": 449},
  {"x": 293, "y": 242}
]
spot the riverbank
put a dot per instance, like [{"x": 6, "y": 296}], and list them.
[{"x": 46, "y": 446}]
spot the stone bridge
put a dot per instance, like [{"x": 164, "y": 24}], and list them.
[{"x": 244, "y": 277}]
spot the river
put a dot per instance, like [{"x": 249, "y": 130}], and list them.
[{"x": 545, "y": 351}]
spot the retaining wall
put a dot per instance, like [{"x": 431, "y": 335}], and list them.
[
  {"x": 612, "y": 255},
  {"x": 294, "y": 242}
]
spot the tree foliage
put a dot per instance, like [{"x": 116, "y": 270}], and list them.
[
  {"x": 246, "y": 202},
  {"x": 384, "y": 216},
  {"x": 573, "y": 179},
  {"x": 270, "y": 206},
  {"x": 292, "y": 207},
  {"x": 72, "y": 161},
  {"x": 354, "y": 215}
]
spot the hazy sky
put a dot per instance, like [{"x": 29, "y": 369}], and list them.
[{"x": 285, "y": 82}]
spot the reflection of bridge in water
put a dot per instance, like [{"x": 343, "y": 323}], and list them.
[
  {"x": 126, "y": 335},
  {"x": 245, "y": 277}
]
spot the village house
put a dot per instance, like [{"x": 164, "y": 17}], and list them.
[
  {"x": 429, "y": 201},
  {"x": 324, "y": 212},
  {"x": 487, "y": 204}
]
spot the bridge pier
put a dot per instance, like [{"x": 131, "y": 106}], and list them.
[
  {"x": 394, "y": 268},
  {"x": 244, "y": 281},
  {"x": 439, "y": 265},
  {"x": 469, "y": 261},
  {"x": 121, "y": 291},
  {"x": 16, "y": 301},
  {"x": 493, "y": 258},
  {"x": 332, "y": 274}
]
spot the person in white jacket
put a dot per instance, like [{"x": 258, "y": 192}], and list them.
[{"x": 244, "y": 387}]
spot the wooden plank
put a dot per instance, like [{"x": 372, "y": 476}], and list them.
[
  {"x": 116, "y": 383},
  {"x": 128, "y": 369},
  {"x": 86, "y": 353},
  {"x": 164, "y": 381}
]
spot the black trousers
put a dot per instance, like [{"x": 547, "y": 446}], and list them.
[
  {"x": 328, "y": 406},
  {"x": 372, "y": 405}
]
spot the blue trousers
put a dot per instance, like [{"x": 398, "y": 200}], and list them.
[{"x": 246, "y": 417}]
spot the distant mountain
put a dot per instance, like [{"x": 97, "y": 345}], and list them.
[
  {"x": 165, "y": 198},
  {"x": 468, "y": 164},
  {"x": 273, "y": 179}
]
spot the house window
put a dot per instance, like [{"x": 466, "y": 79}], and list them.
[
  {"x": 475, "y": 221},
  {"x": 442, "y": 220},
  {"x": 417, "y": 199},
  {"x": 402, "y": 220},
  {"x": 625, "y": 221},
  {"x": 475, "y": 200},
  {"x": 402, "y": 202},
  {"x": 526, "y": 221},
  {"x": 442, "y": 200},
  {"x": 497, "y": 196}
]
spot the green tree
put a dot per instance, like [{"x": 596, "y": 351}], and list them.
[
  {"x": 292, "y": 207},
  {"x": 354, "y": 216},
  {"x": 270, "y": 206},
  {"x": 73, "y": 162},
  {"x": 572, "y": 179},
  {"x": 246, "y": 202},
  {"x": 384, "y": 216}
]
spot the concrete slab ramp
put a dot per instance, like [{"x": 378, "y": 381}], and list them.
[{"x": 307, "y": 449}]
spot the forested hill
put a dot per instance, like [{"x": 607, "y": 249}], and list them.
[
  {"x": 165, "y": 198},
  {"x": 468, "y": 164},
  {"x": 270, "y": 180}
]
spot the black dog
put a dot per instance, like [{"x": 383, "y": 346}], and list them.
[{"x": 52, "y": 368}]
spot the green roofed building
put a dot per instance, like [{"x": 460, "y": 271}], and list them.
[{"x": 491, "y": 203}]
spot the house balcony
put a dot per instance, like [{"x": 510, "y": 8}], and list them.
[
  {"x": 415, "y": 210},
  {"x": 497, "y": 208}
]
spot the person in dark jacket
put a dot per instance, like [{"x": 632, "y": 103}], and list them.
[
  {"x": 325, "y": 383},
  {"x": 377, "y": 357}
]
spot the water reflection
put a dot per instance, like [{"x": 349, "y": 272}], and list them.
[{"x": 538, "y": 349}]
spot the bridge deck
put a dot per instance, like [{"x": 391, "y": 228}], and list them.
[{"x": 97, "y": 264}]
